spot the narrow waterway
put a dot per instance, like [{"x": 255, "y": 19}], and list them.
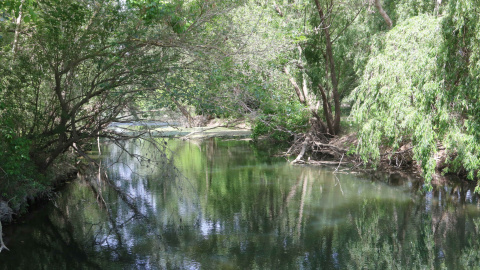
[{"x": 229, "y": 205}]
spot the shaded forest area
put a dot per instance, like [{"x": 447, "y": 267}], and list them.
[{"x": 400, "y": 77}]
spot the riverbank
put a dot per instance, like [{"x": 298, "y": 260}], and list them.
[
  {"x": 339, "y": 152},
  {"x": 8, "y": 212}
]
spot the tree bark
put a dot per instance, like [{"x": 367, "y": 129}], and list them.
[
  {"x": 326, "y": 111},
  {"x": 331, "y": 63},
  {"x": 383, "y": 13}
]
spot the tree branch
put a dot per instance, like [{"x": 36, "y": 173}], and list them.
[
  {"x": 300, "y": 96},
  {"x": 383, "y": 13}
]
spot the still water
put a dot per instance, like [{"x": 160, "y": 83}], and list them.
[{"x": 229, "y": 205}]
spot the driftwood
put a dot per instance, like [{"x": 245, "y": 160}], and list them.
[
  {"x": 302, "y": 152},
  {"x": 309, "y": 142},
  {"x": 336, "y": 148}
]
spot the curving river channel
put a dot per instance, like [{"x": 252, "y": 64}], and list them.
[{"x": 229, "y": 205}]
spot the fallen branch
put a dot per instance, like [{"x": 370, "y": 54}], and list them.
[
  {"x": 339, "y": 165},
  {"x": 2, "y": 245},
  {"x": 302, "y": 152},
  {"x": 325, "y": 162}
]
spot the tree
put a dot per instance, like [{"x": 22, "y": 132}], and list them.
[
  {"x": 393, "y": 103},
  {"x": 422, "y": 90},
  {"x": 70, "y": 68},
  {"x": 84, "y": 62}
]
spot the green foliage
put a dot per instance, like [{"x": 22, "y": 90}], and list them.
[
  {"x": 80, "y": 65},
  {"x": 281, "y": 121},
  {"x": 418, "y": 86},
  {"x": 18, "y": 175},
  {"x": 402, "y": 10},
  {"x": 28, "y": 8},
  {"x": 461, "y": 74},
  {"x": 152, "y": 11},
  {"x": 397, "y": 99}
]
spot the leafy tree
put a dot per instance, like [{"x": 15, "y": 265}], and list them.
[
  {"x": 76, "y": 66},
  {"x": 395, "y": 100},
  {"x": 461, "y": 80},
  {"x": 419, "y": 86}
]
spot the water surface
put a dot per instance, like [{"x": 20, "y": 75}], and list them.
[{"x": 233, "y": 206}]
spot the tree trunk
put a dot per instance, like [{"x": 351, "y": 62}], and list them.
[
  {"x": 182, "y": 109},
  {"x": 277, "y": 9},
  {"x": 184, "y": 112},
  {"x": 383, "y": 13},
  {"x": 438, "y": 3},
  {"x": 326, "y": 111},
  {"x": 331, "y": 63},
  {"x": 18, "y": 24}
]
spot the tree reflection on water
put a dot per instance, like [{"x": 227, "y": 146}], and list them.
[{"x": 227, "y": 205}]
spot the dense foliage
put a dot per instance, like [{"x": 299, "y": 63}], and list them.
[
  {"x": 421, "y": 86},
  {"x": 398, "y": 98},
  {"x": 73, "y": 67}
]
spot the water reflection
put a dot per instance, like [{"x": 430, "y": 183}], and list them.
[{"x": 234, "y": 207}]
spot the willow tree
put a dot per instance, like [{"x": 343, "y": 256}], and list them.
[
  {"x": 420, "y": 87},
  {"x": 461, "y": 77}
]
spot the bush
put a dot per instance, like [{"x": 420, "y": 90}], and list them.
[
  {"x": 281, "y": 121},
  {"x": 18, "y": 175}
]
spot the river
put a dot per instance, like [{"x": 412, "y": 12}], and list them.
[{"x": 228, "y": 205}]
